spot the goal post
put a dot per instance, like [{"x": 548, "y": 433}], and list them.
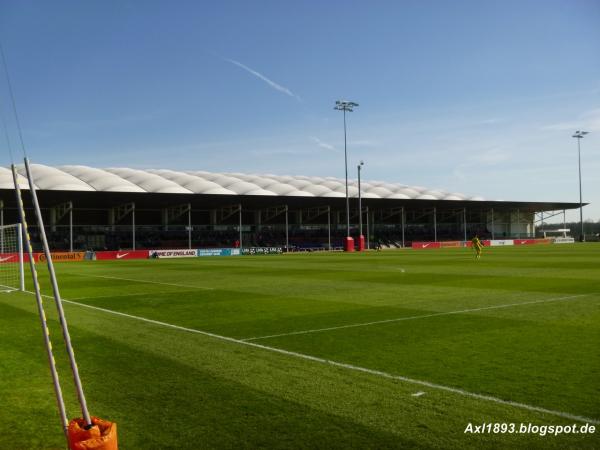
[{"x": 12, "y": 275}]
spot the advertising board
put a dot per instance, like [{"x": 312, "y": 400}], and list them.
[
  {"x": 122, "y": 254},
  {"x": 218, "y": 252},
  {"x": 173, "y": 253},
  {"x": 262, "y": 250},
  {"x": 426, "y": 245}
]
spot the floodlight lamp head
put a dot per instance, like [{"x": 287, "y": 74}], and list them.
[
  {"x": 344, "y": 105},
  {"x": 362, "y": 163},
  {"x": 579, "y": 134}
]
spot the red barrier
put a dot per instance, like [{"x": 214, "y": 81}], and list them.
[
  {"x": 13, "y": 258},
  {"x": 123, "y": 254},
  {"x": 41, "y": 258},
  {"x": 532, "y": 241},
  {"x": 451, "y": 244},
  {"x": 361, "y": 243},
  {"x": 349, "y": 244},
  {"x": 525, "y": 241},
  {"x": 426, "y": 245}
]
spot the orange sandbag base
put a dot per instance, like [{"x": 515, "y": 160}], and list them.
[{"x": 102, "y": 436}]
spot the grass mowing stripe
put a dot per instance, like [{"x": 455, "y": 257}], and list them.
[
  {"x": 423, "y": 316},
  {"x": 143, "y": 281},
  {"x": 122, "y": 295},
  {"x": 350, "y": 366}
]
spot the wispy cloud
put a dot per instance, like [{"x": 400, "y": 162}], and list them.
[
  {"x": 588, "y": 121},
  {"x": 274, "y": 85},
  {"x": 484, "y": 161},
  {"x": 322, "y": 144}
]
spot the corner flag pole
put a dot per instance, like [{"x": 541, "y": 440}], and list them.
[
  {"x": 58, "y": 301},
  {"x": 40, "y": 307}
]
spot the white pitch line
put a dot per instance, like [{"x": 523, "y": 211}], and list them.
[
  {"x": 144, "y": 281},
  {"x": 351, "y": 367},
  {"x": 123, "y": 295},
  {"x": 423, "y": 316}
]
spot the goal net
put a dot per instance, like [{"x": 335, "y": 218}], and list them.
[{"x": 11, "y": 258}]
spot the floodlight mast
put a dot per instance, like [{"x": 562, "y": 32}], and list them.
[
  {"x": 344, "y": 105},
  {"x": 359, "y": 167},
  {"x": 579, "y": 135}
]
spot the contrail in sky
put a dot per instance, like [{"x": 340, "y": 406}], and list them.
[{"x": 271, "y": 83}]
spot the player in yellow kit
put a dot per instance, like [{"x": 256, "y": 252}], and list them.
[{"x": 477, "y": 246}]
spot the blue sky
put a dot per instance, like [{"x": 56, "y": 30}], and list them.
[{"x": 468, "y": 96}]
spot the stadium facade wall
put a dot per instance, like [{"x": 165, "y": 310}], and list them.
[{"x": 108, "y": 221}]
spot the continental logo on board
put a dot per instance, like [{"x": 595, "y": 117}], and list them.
[{"x": 63, "y": 256}]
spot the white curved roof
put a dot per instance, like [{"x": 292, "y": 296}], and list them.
[{"x": 83, "y": 178}]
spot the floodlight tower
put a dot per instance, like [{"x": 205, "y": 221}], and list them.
[
  {"x": 579, "y": 135},
  {"x": 344, "y": 105},
  {"x": 361, "y": 238}
]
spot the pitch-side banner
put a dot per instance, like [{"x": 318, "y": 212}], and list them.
[
  {"x": 500, "y": 242},
  {"x": 6, "y": 258},
  {"x": 63, "y": 256},
  {"x": 426, "y": 245},
  {"x": 451, "y": 244},
  {"x": 532, "y": 241},
  {"x": 187, "y": 253},
  {"x": 564, "y": 240},
  {"x": 123, "y": 254},
  {"x": 218, "y": 251},
  {"x": 262, "y": 250}
]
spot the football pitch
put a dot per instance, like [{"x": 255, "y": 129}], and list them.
[{"x": 392, "y": 349}]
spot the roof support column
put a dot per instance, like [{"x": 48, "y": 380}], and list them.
[
  {"x": 240, "y": 210},
  {"x": 1, "y": 225},
  {"x": 403, "y": 221},
  {"x": 368, "y": 230},
  {"x": 189, "y": 227},
  {"x": 465, "y": 222},
  {"x": 258, "y": 219},
  {"x": 434, "y": 224},
  {"x": 133, "y": 225},
  {"x": 287, "y": 230},
  {"x": 329, "y": 227},
  {"x": 493, "y": 235},
  {"x": 165, "y": 219},
  {"x": 71, "y": 227}
]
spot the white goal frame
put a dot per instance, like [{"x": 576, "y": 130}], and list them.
[{"x": 11, "y": 245}]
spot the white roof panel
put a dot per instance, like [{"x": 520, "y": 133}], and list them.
[{"x": 83, "y": 178}]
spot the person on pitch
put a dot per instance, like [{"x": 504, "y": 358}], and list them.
[{"x": 477, "y": 246}]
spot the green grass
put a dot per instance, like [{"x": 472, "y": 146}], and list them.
[{"x": 171, "y": 388}]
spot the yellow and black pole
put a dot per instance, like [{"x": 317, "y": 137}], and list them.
[
  {"x": 40, "y": 306},
  {"x": 57, "y": 299},
  {"x": 85, "y": 433}
]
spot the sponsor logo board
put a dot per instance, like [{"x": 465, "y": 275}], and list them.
[
  {"x": 218, "y": 251},
  {"x": 451, "y": 244},
  {"x": 123, "y": 254},
  {"x": 563, "y": 240},
  {"x": 426, "y": 245},
  {"x": 63, "y": 256},
  {"x": 532, "y": 241},
  {"x": 261, "y": 250},
  {"x": 501, "y": 242},
  {"x": 176, "y": 253}
]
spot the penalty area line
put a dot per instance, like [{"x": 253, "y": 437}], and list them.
[
  {"x": 351, "y": 367},
  {"x": 129, "y": 295},
  {"x": 422, "y": 316},
  {"x": 142, "y": 281}
]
